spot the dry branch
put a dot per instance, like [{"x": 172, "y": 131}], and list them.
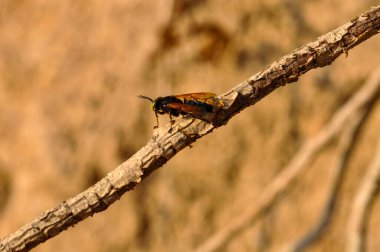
[
  {"x": 362, "y": 98},
  {"x": 164, "y": 145},
  {"x": 361, "y": 204},
  {"x": 346, "y": 145}
]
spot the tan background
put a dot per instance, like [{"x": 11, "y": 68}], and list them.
[{"x": 70, "y": 72}]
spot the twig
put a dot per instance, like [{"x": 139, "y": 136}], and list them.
[
  {"x": 346, "y": 146},
  {"x": 361, "y": 204},
  {"x": 306, "y": 154},
  {"x": 164, "y": 145}
]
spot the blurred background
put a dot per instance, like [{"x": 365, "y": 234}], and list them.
[{"x": 70, "y": 73}]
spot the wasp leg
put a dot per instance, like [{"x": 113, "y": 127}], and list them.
[
  {"x": 171, "y": 122},
  {"x": 155, "y": 127}
]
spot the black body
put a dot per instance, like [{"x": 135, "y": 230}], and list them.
[{"x": 164, "y": 105}]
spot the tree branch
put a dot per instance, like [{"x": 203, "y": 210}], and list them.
[
  {"x": 304, "y": 156},
  {"x": 361, "y": 204},
  {"x": 164, "y": 145},
  {"x": 347, "y": 143}
]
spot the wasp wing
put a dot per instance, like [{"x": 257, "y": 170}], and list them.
[
  {"x": 205, "y": 97},
  {"x": 199, "y": 105},
  {"x": 202, "y": 97}
]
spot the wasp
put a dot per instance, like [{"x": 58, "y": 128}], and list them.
[{"x": 198, "y": 105}]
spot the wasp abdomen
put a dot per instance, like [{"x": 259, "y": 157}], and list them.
[{"x": 206, "y": 107}]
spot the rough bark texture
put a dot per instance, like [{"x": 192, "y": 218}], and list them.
[{"x": 164, "y": 145}]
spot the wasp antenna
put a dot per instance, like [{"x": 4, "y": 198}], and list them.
[{"x": 145, "y": 97}]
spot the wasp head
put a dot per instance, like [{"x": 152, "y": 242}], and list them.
[{"x": 158, "y": 105}]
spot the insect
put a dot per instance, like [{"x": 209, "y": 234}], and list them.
[{"x": 198, "y": 105}]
